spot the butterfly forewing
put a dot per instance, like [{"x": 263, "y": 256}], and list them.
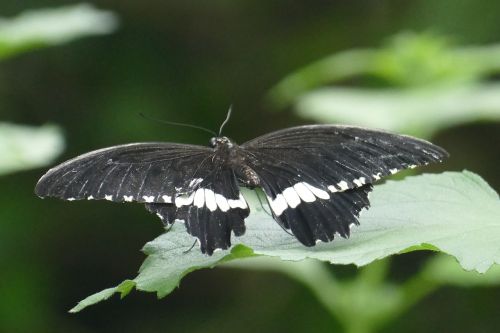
[
  {"x": 143, "y": 172},
  {"x": 340, "y": 157}
]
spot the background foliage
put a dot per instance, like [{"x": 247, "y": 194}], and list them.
[{"x": 187, "y": 61}]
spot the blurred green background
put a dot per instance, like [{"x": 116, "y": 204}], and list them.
[{"x": 187, "y": 61}]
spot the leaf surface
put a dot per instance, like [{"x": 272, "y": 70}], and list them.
[
  {"x": 454, "y": 212},
  {"x": 420, "y": 112}
]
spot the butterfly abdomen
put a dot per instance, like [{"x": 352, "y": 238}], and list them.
[{"x": 247, "y": 176}]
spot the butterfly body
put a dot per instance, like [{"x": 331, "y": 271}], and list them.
[{"x": 316, "y": 179}]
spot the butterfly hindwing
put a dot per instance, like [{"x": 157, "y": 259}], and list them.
[
  {"x": 210, "y": 211},
  {"x": 322, "y": 219},
  {"x": 311, "y": 212}
]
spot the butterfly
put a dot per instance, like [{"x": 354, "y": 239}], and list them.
[{"x": 316, "y": 179}]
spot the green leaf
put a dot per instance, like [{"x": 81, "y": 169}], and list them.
[
  {"x": 93, "y": 299},
  {"x": 454, "y": 212},
  {"x": 27, "y": 147},
  {"x": 444, "y": 270},
  {"x": 420, "y": 112},
  {"x": 407, "y": 60},
  {"x": 44, "y": 27}
]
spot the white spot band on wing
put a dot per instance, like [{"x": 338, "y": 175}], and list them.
[
  {"x": 294, "y": 195},
  {"x": 199, "y": 198},
  {"x": 184, "y": 200},
  {"x": 210, "y": 200},
  {"x": 291, "y": 197},
  {"x": 304, "y": 192},
  {"x": 238, "y": 203},
  {"x": 195, "y": 182},
  {"x": 343, "y": 185},
  {"x": 332, "y": 189},
  {"x": 360, "y": 181},
  {"x": 278, "y": 204},
  {"x": 318, "y": 192},
  {"x": 222, "y": 202},
  {"x": 213, "y": 201}
]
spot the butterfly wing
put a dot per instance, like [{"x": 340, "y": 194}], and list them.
[
  {"x": 175, "y": 181},
  {"x": 142, "y": 172},
  {"x": 317, "y": 178},
  {"x": 213, "y": 210}
]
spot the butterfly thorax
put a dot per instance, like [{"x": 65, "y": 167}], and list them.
[{"x": 229, "y": 153}]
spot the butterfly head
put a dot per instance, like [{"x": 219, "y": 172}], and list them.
[{"x": 218, "y": 141}]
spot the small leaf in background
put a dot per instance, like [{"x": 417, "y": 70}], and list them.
[
  {"x": 407, "y": 60},
  {"x": 27, "y": 147},
  {"x": 44, "y": 27},
  {"x": 421, "y": 112},
  {"x": 420, "y": 60},
  {"x": 454, "y": 212}
]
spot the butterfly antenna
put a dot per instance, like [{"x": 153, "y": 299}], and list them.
[
  {"x": 227, "y": 119},
  {"x": 178, "y": 124}
]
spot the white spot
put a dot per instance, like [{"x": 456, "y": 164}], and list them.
[
  {"x": 199, "y": 198},
  {"x": 278, "y": 205},
  {"x": 70, "y": 199},
  {"x": 291, "y": 197},
  {"x": 317, "y": 241},
  {"x": 393, "y": 171},
  {"x": 108, "y": 197},
  {"x": 167, "y": 198},
  {"x": 239, "y": 203},
  {"x": 318, "y": 192},
  {"x": 412, "y": 166},
  {"x": 184, "y": 200},
  {"x": 343, "y": 186},
  {"x": 332, "y": 189},
  {"x": 210, "y": 200},
  {"x": 148, "y": 199},
  {"x": 128, "y": 198},
  {"x": 222, "y": 202},
  {"x": 159, "y": 215},
  {"x": 90, "y": 197},
  {"x": 360, "y": 181},
  {"x": 178, "y": 188},
  {"x": 377, "y": 176},
  {"x": 195, "y": 182},
  {"x": 217, "y": 250},
  {"x": 304, "y": 193}
]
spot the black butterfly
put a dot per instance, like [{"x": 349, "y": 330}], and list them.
[{"x": 316, "y": 179}]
